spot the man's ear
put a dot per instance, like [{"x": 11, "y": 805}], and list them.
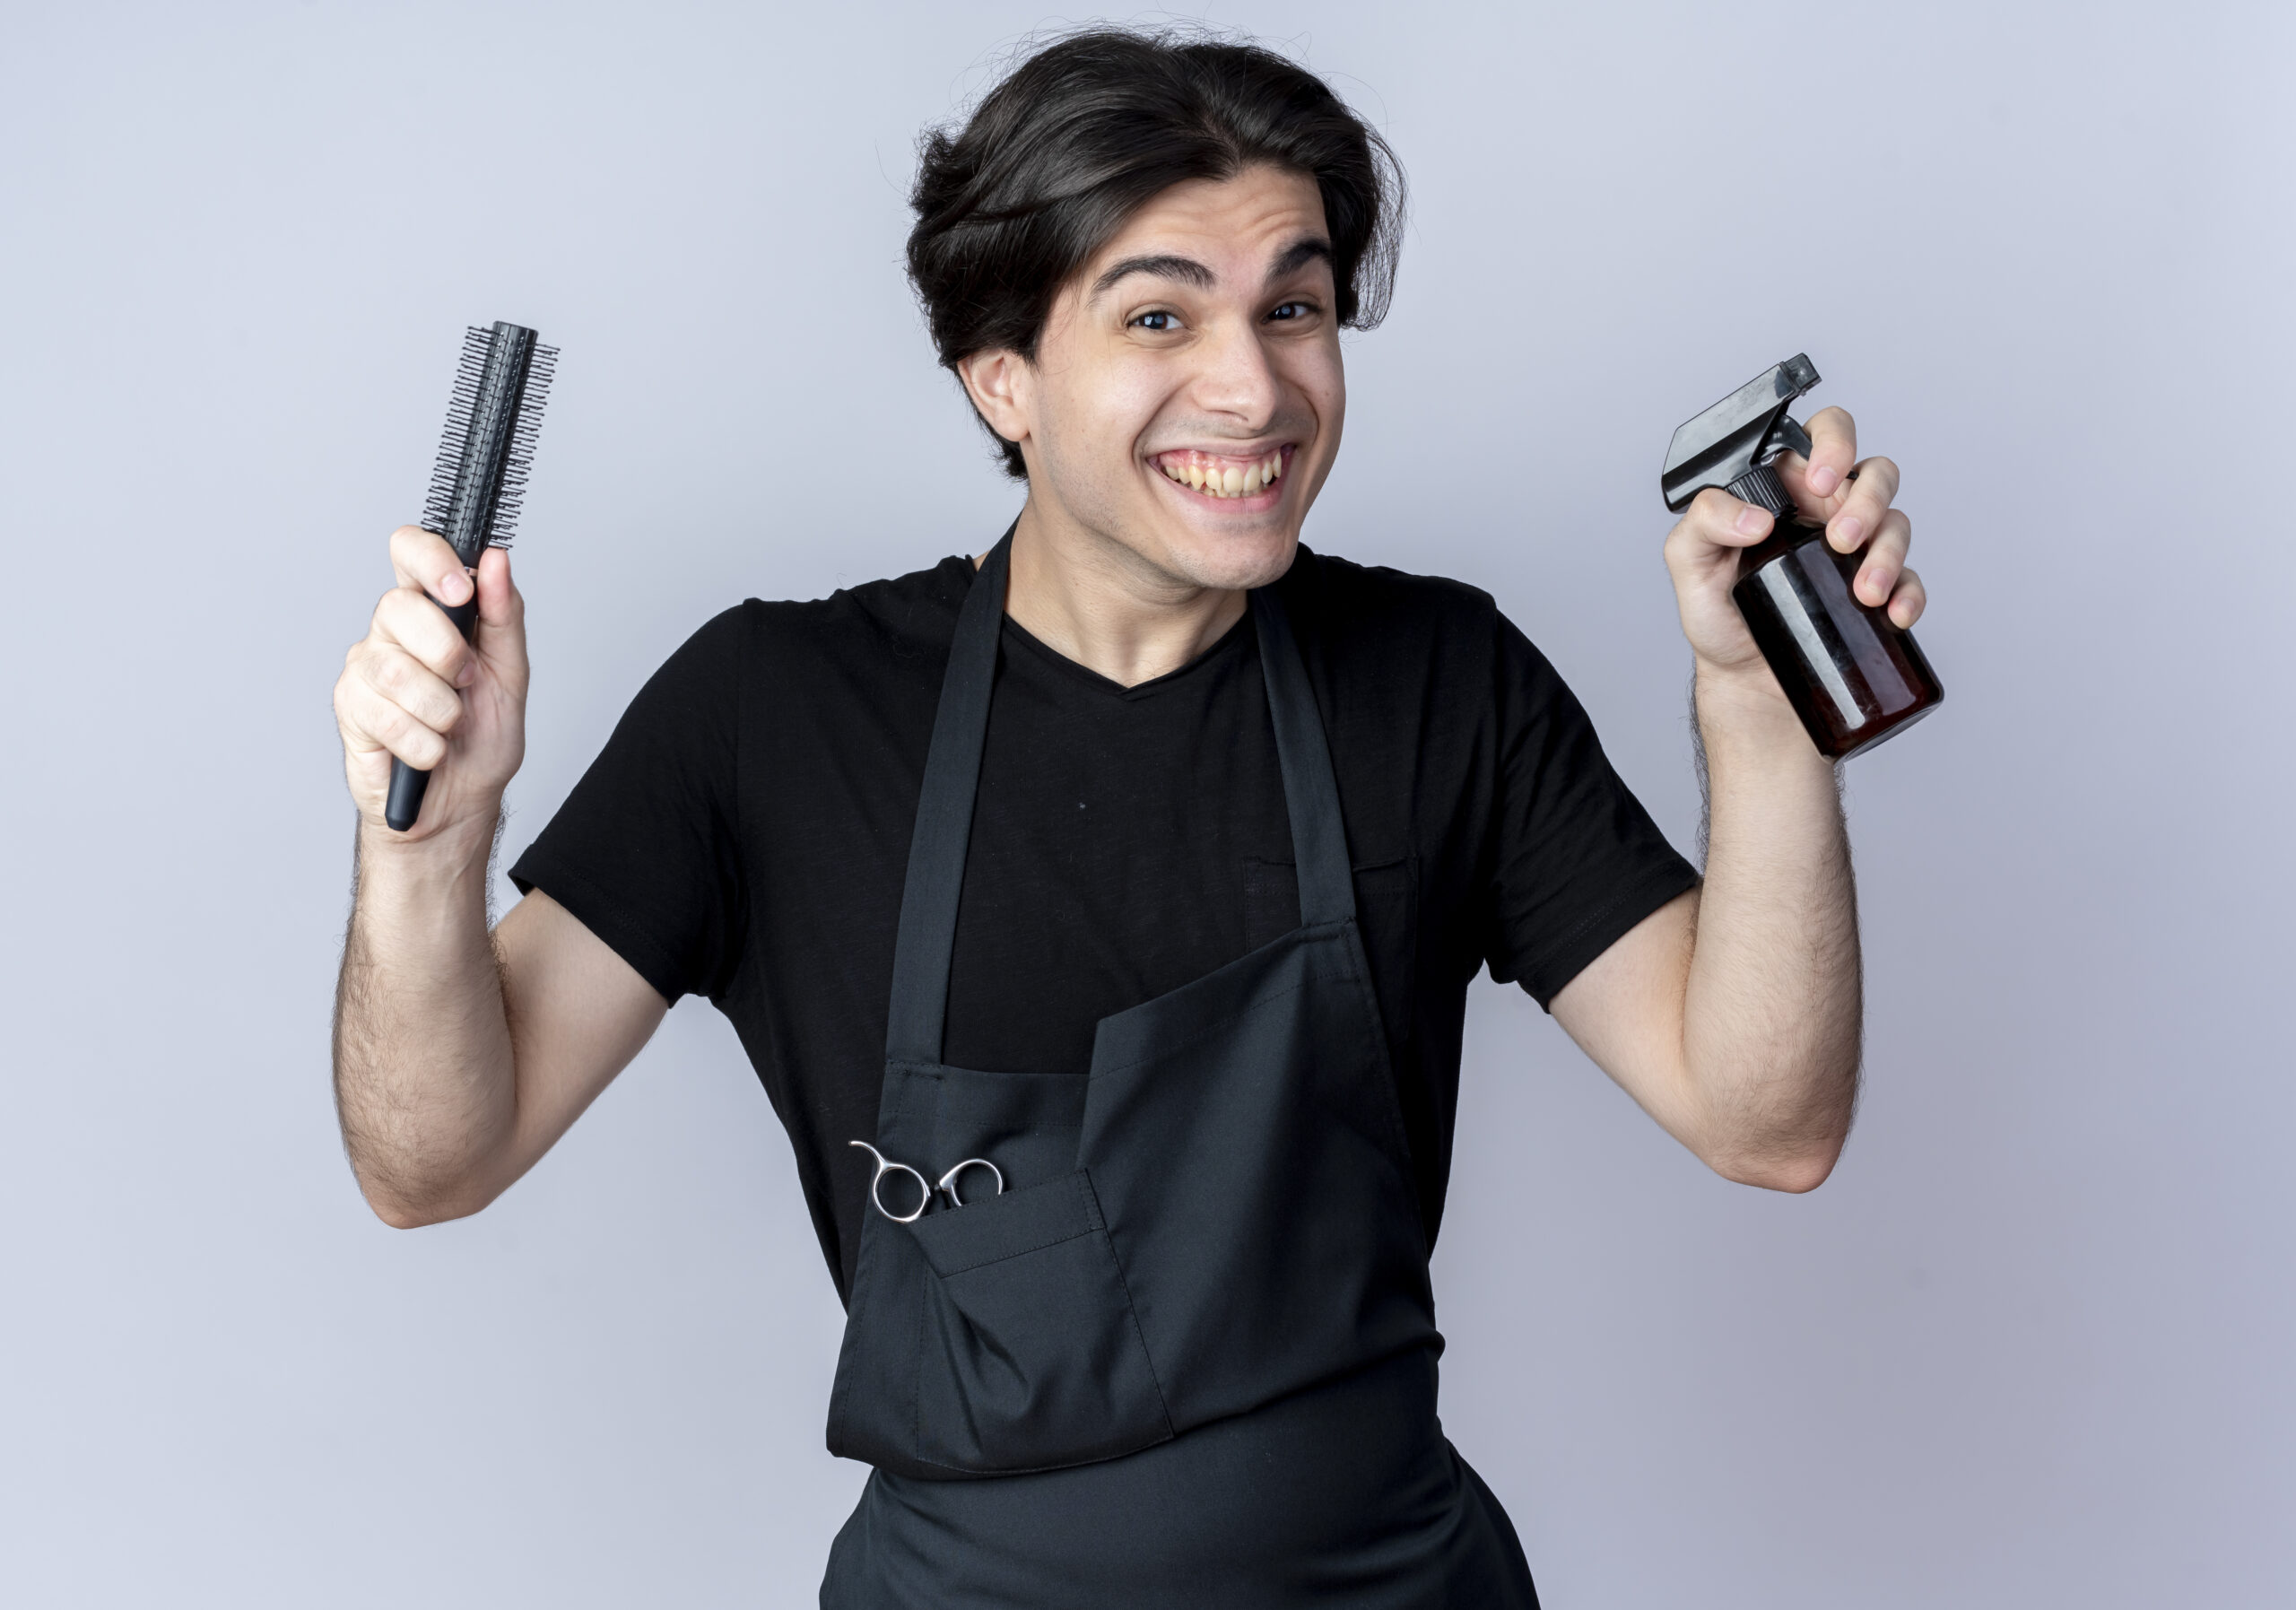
[{"x": 998, "y": 383}]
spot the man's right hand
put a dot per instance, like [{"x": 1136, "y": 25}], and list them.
[{"x": 413, "y": 688}]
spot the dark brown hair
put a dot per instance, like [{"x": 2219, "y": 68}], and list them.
[{"x": 1086, "y": 131}]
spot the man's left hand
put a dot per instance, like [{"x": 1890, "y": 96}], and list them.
[{"x": 1849, "y": 496}]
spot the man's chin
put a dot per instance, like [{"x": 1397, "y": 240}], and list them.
[
  {"x": 1224, "y": 554},
  {"x": 1233, "y": 560}
]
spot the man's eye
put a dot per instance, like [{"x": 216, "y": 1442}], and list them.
[
  {"x": 1154, "y": 321},
  {"x": 1291, "y": 311}
]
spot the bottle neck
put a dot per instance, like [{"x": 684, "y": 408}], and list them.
[{"x": 1762, "y": 487}]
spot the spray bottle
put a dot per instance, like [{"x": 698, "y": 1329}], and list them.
[{"x": 1855, "y": 676}]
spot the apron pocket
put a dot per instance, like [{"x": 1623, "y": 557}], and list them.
[{"x": 1029, "y": 1356}]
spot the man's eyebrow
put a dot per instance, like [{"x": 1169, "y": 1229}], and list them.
[
  {"x": 1167, "y": 266},
  {"x": 1298, "y": 256}
]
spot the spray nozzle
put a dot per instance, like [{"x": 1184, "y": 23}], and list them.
[{"x": 1731, "y": 444}]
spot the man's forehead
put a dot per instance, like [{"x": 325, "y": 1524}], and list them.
[{"x": 1263, "y": 223}]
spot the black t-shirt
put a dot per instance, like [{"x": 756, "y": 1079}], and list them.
[{"x": 746, "y": 833}]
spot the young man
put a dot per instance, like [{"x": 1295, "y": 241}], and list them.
[{"x": 1098, "y": 912}]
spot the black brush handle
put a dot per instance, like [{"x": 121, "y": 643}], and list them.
[{"x": 407, "y": 785}]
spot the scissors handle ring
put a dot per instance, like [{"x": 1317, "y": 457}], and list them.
[
  {"x": 949, "y": 1179},
  {"x": 885, "y": 1166}
]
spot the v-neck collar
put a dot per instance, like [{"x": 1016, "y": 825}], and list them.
[{"x": 1228, "y": 642}]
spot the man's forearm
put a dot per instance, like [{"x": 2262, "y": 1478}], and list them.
[
  {"x": 1772, "y": 1010},
  {"x": 425, "y": 1083}
]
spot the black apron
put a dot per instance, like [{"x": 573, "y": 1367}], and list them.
[{"x": 1186, "y": 1355}]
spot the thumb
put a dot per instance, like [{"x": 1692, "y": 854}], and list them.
[{"x": 500, "y": 636}]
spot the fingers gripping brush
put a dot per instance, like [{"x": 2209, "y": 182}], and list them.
[{"x": 479, "y": 481}]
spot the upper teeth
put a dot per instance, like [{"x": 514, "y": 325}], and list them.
[{"x": 1222, "y": 480}]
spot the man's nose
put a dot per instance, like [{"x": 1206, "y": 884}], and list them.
[{"x": 1238, "y": 379}]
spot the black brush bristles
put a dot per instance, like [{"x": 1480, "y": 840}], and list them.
[
  {"x": 460, "y": 405},
  {"x": 493, "y": 418},
  {"x": 479, "y": 480},
  {"x": 521, "y": 455}
]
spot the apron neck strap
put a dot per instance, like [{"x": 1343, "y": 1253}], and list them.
[
  {"x": 927, "y": 937},
  {"x": 1310, "y": 789}
]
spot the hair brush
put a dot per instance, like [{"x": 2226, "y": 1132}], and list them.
[{"x": 479, "y": 481}]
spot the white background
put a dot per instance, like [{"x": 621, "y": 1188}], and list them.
[{"x": 2031, "y": 1346}]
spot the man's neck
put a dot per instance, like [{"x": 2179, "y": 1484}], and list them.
[{"x": 1100, "y": 603}]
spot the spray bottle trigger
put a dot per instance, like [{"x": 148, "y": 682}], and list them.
[{"x": 1786, "y": 435}]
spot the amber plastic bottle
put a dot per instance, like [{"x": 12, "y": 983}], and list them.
[{"x": 1855, "y": 676}]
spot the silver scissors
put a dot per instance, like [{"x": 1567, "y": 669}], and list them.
[{"x": 924, "y": 1190}]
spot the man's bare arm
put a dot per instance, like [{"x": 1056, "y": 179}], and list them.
[
  {"x": 1733, "y": 1015},
  {"x": 460, "y": 1056}
]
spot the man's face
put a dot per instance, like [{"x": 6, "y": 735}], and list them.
[{"x": 1186, "y": 401}]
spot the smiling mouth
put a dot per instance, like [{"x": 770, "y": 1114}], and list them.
[{"x": 1216, "y": 476}]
